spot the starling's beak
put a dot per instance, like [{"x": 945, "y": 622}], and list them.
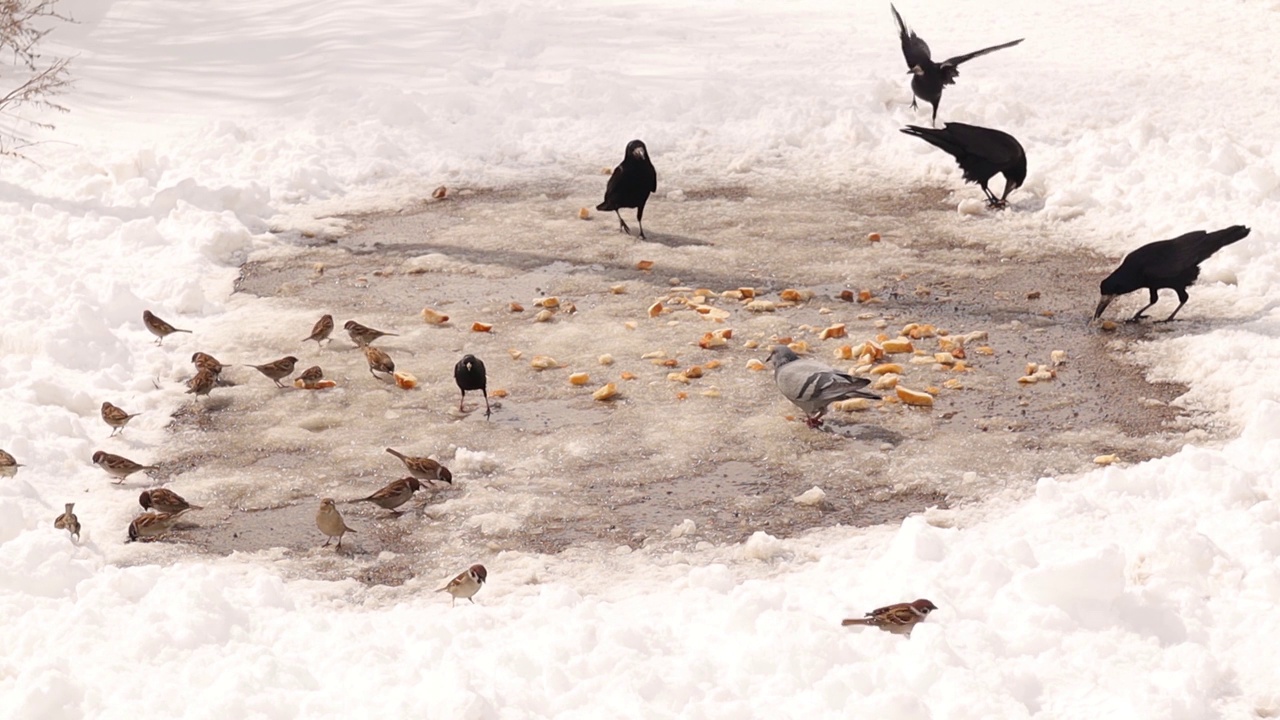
[{"x": 1102, "y": 305}]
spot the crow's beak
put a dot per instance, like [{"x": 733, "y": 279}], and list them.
[
  {"x": 915, "y": 71},
  {"x": 1102, "y": 305},
  {"x": 638, "y": 152}
]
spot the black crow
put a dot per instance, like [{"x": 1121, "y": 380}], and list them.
[
  {"x": 630, "y": 185},
  {"x": 1172, "y": 264},
  {"x": 981, "y": 153},
  {"x": 469, "y": 374},
  {"x": 928, "y": 77}
]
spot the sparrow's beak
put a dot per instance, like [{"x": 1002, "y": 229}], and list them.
[{"x": 1102, "y": 305}]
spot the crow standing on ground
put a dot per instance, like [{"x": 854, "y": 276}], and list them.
[
  {"x": 469, "y": 374},
  {"x": 928, "y": 77},
  {"x": 630, "y": 185},
  {"x": 981, "y": 153},
  {"x": 1172, "y": 264}
]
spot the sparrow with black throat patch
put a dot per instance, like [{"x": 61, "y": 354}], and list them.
[
  {"x": 362, "y": 335},
  {"x": 158, "y": 327},
  {"x": 330, "y": 522},
  {"x": 424, "y": 468},
  {"x": 898, "y": 618},
  {"x": 466, "y": 584},
  {"x": 119, "y": 467},
  {"x": 469, "y": 374},
  {"x": 116, "y": 418},
  {"x": 277, "y": 370},
  {"x": 321, "y": 331},
  {"x": 165, "y": 500}
]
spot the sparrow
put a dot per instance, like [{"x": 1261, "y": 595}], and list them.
[
  {"x": 378, "y": 361},
  {"x": 321, "y": 331},
  {"x": 8, "y": 466},
  {"x": 118, "y": 467},
  {"x": 466, "y": 584},
  {"x": 630, "y": 185},
  {"x": 394, "y": 495},
  {"x": 424, "y": 468},
  {"x": 469, "y": 374},
  {"x": 165, "y": 501},
  {"x": 205, "y": 361},
  {"x": 69, "y": 522},
  {"x": 278, "y": 369},
  {"x": 811, "y": 385},
  {"x": 152, "y": 524},
  {"x": 311, "y": 376},
  {"x": 361, "y": 335},
  {"x": 158, "y": 327},
  {"x": 898, "y": 618},
  {"x": 330, "y": 522},
  {"x": 116, "y": 418},
  {"x": 202, "y": 383}
]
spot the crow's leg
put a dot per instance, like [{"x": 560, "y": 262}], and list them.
[
  {"x": 623, "y": 223},
  {"x": 1182, "y": 300},
  {"x": 486, "y": 401},
  {"x": 1155, "y": 296},
  {"x": 462, "y": 400},
  {"x": 640, "y": 219}
]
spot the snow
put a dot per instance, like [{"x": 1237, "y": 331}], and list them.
[{"x": 1135, "y": 591}]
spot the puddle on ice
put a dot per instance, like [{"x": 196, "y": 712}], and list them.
[{"x": 553, "y": 469}]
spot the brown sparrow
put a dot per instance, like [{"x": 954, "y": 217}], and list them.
[
  {"x": 69, "y": 522},
  {"x": 8, "y": 466},
  {"x": 277, "y": 370},
  {"x": 158, "y": 327},
  {"x": 202, "y": 383},
  {"x": 311, "y": 376},
  {"x": 898, "y": 618},
  {"x": 118, "y": 467},
  {"x": 321, "y": 331},
  {"x": 466, "y": 584},
  {"x": 469, "y": 374},
  {"x": 330, "y": 522},
  {"x": 394, "y": 495},
  {"x": 361, "y": 335},
  {"x": 165, "y": 501},
  {"x": 152, "y": 524},
  {"x": 378, "y": 361},
  {"x": 424, "y": 468},
  {"x": 205, "y": 361},
  {"x": 115, "y": 417}
]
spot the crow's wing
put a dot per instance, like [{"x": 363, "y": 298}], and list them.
[
  {"x": 993, "y": 145},
  {"x": 978, "y": 53},
  {"x": 914, "y": 48},
  {"x": 1169, "y": 258}
]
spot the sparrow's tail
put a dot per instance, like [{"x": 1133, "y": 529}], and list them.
[{"x": 856, "y": 621}]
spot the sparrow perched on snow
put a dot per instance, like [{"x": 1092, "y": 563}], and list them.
[
  {"x": 158, "y": 327},
  {"x": 311, "y": 376},
  {"x": 277, "y": 370},
  {"x": 395, "y": 494},
  {"x": 69, "y": 522},
  {"x": 898, "y": 618},
  {"x": 117, "y": 466},
  {"x": 361, "y": 335},
  {"x": 202, "y": 383},
  {"x": 116, "y": 418},
  {"x": 152, "y": 524},
  {"x": 205, "y": 361},
  {"x": 469, "y": 374},
  {"x": 165, "y": 501},
  {"x": 812, "y": 386},
  {"x": 321, "y": 331},
  {"x": 330, "y": 522},
  {"x": 466, "y": 584},
  {"x": 8, "y": 466},
  {"x": 424, "y": 468},
  {"x": 378, "y": 361}
]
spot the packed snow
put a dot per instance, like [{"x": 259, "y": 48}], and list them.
[{"x": 201, "y": 134}]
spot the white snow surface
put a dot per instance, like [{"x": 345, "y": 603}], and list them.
[{"x": 1144, "y": 591}]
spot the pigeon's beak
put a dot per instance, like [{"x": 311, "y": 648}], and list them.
[{"x": 1102, "y": 305}]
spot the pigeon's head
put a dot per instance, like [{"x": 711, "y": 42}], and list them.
[
  {"x": 781, "y": 355},
  {"x": 637, "y": 150}
]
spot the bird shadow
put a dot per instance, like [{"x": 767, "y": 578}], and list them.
[{"x": 676, "y": 240}]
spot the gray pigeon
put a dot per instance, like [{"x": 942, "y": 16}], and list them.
[{"x": 812, "y": 386}]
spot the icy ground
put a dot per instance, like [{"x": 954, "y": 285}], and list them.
[{"x": 208, "y": 135}]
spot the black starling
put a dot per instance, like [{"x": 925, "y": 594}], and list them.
[
  {"x": 1172, "y": 264},
  {"x": 981, "y": 153},
  {"x": 630, "y": 185}
]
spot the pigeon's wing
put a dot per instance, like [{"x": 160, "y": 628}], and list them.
[
  {"x": 914, "y": 48},
  {"x": 809, "y": 381},
  {"x": 978, "y": 53},
  {"x": 998, "y": 147}
]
